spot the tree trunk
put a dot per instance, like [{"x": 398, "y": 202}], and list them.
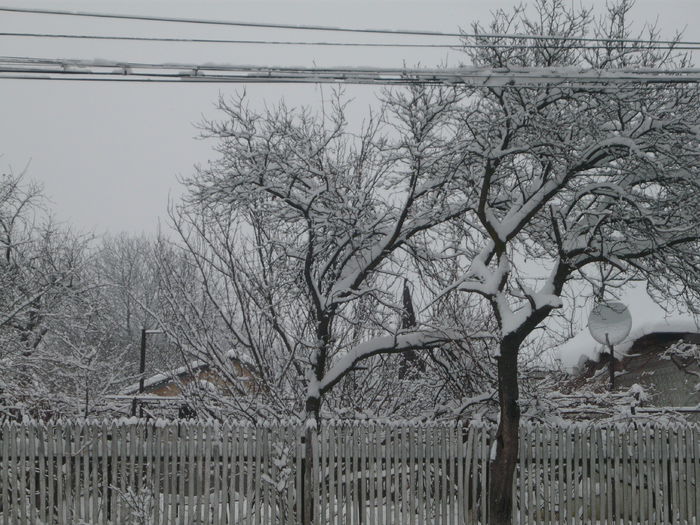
[
  {"x": 503, "y": 465},
  {"x": 310, "y": 440}
]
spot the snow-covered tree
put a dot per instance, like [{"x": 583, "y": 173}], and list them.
[
  {"x": 300, "y": 233},
  {"x": 38, "y": 273},
  {"x": 305, "y": 220},
  {"x": 127, "y": 270},
  {"x": 62, "y": 341},
  {"x": 563, "y": 178}
]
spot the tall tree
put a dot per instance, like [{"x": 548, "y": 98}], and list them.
[
  {"x": 306, "y": 222},
  {"x": 565, "y": 178},
  {"x": 127, "y": 269},
  {"x": 39, "y": 277},
  {"x": 310, "y": 219}
]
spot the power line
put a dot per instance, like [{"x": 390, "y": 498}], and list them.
[
  {"x": 225, "y": 22},
  {"x": 303, "y": 27},
  {"x": 611, "y": 86},
  {"x": 101, "y": 70},
  {"x": 569, "y": 71},
  {"x": 223, "y": 41},
  {"x": 309, "y": 43}
]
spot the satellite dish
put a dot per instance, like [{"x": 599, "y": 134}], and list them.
[{"x": 610, "y": 322}]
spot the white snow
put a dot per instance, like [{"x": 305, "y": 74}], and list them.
[
  {"x": 647, "y": 318},
  {"x": 388, "y": 343},
  {"x": 170, "y": 374}
]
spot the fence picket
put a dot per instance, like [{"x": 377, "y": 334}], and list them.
[
  {"x": 122, "y": 470},
  {"x": 5, "y": 465},
  {"x": 358, "y": 484},
  {"x": 444, "y": 475},
  {"x": 236, "y": 478},
  {"x": 594, "y": 462},
  {"x": 225, "y": 474},
  {"x": 93, "y": 462},
  {"x": 5, "y": 472},
  {"x": 205, "y": 496},
  {"x": 578, "y": 471},
  {"x": 683, "y": 473},
  {"x": 551, "y": 438},
  {"x": 218, "y": 461},
  {"x": 474, "y": 470},
  {"x": 627, "y": 481},
  {"x": 649, "y": 471},
  {"x": 50, "y": 473},
  {"x": 39, "y": 470},
  {"x": 232, "y": 485},
  {"x": 369, "y": 450},
  {"x": 370, "y": 481},
  {"x": 21, "y": 476},
  {"x": 696, "y": 473},
  {"x": 332, "y": 491},
  {"x": 173, "y": 439},
  {"x": 165, "y": 472},
  {"x": 189, "y": 470},
  {"x": 459, "y": 496},
  {"x": 519, "y": 506},
  {"x": 421, "y": 475},
  {"x": 450, "y": 475},
  {"x": 485, "y": 455},
  {"x": 635, "y": 475},
  {"x": 673, "y": 467},
  {"x": 545, "y": 437},
  {"x": 690, "y": 472},
  {"x": 82, "y": 472},
  {"x": 432, "y": 451},
  {"x": 682, "y": 494},
  {"x": 337, "y": 473}
]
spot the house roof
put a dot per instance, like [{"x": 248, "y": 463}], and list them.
[
  {"x": 645, "y": 365},
  {"x": 165, "y": 377},
  {"x": 170, "y": 375},
  {"x": 647, "y": 317},
  {"x": 583, "y": 348}
]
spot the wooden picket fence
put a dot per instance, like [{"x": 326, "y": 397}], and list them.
[{"x": 154, "y": 472}]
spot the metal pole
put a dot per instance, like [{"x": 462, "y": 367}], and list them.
[
  {"x": 142, "y": 370},
  {"x": 611, "y": 364}
]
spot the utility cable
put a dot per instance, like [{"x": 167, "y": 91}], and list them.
[
  {"x": 222, "y": 41},
  {"x": 316, "y": 43},
  {"x": 346, "y": 29},
  {"x": 571, "y": 72},
  {"x": 73, "y": 69},
  {"x": 224, "y": 22}
]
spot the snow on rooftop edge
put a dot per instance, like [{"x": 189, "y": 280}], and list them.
[
  {"x": 647, "y": 317},
  {"x": 582, "y": 347},
  {"x": 169, "y": 375}
]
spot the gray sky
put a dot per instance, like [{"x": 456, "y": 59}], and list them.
[{"x": 109, "y": 154}]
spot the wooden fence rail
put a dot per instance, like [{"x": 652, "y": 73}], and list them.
[{"x": 102, "y": 473}]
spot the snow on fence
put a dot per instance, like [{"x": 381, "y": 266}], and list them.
[{"x": 365, "y": 473}]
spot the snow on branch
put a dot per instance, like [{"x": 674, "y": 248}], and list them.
[{"x": 400, "y": 342}]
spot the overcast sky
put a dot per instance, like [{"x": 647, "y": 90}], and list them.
[{"x": 109, "y": 154}]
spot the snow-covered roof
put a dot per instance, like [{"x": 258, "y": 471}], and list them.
[
  {"x": 583, "y": 347},
  {"x": 163, "y": 377},
  {"x": 647, "y": 318}
]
